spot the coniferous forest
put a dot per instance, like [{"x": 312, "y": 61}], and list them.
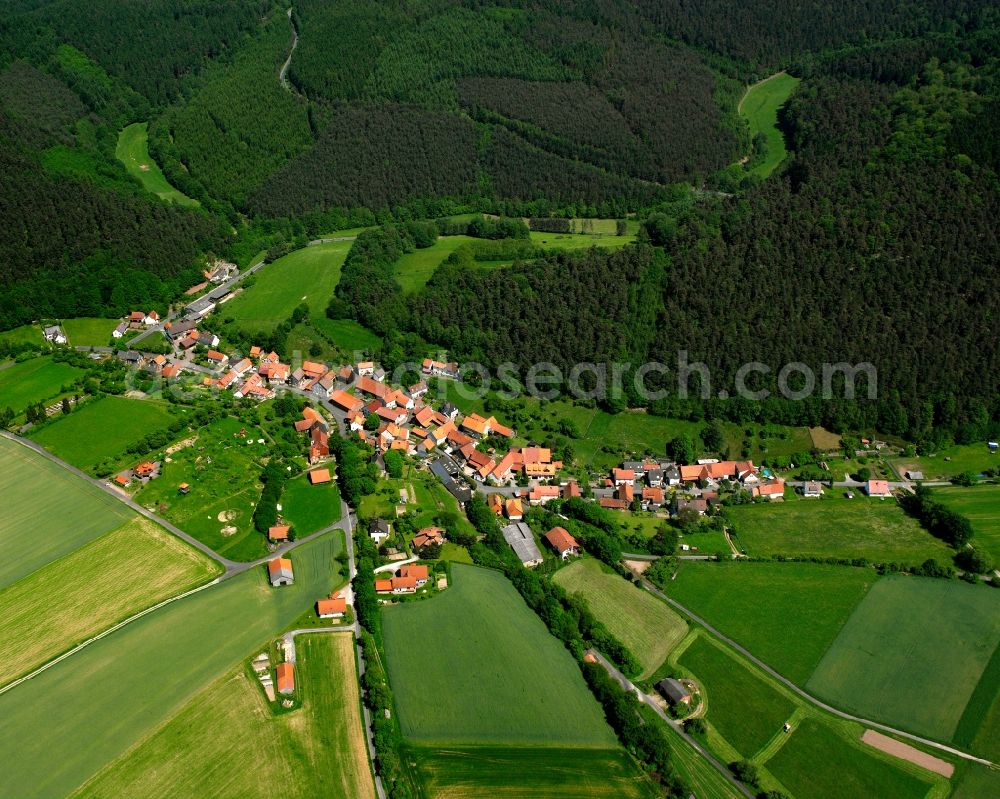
[{"x": 875, "y": 240}]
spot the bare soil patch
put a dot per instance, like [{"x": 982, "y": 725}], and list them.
[{"x": 909, "y": 753}]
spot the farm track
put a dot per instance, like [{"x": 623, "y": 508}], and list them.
[
  {"x": 806, "y": 696},
  {"x": 283, "y": 73}
]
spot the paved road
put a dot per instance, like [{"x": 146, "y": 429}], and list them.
[
  {"x": 808, "y": 697},
  {"x": 629, "y": 686}
]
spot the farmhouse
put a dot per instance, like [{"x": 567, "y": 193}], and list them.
[
  {"x": 379, "y": 530},
  {"x": 415, "y": 571},
  {"x": 519, "y": 536},
  {"x": 674, "y": 692},
  {"x": 812, "y": 488},
  {"x": 612, "y": 503},
  {"x": 771, "y": 490},
  {"x": 278, "y": 533},
  {"x": 404, "y": 585},
  {"x": 279, "y": 570},
  {"x": 332, "y": 608},
  {"x": 383, "y": 586},
  {"x": 878, "y": 488},
  {"x": 123, "y": 480},
  {"x": 286, "y": 678},
  {"x": 429, "y": 536},
  {"x": 513, "y": 509},
  {"x": 562, "y": 542}
]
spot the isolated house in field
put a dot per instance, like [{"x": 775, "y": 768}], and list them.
[
  {"x": 333, "y": 608},
  {"x": 562, "y": 542},
  {"x": 674, "y": 692},
  {"x": 878, "y": 488},
  {"x": 286, "y": 678},
  {"x": 279, "y": 571},
  {"x": 812, "y": 488},
  {"x": 278, "y": 533},
  {"x": 147, "y": 470},
  {"x": 123, "y": 480},
  {"x": 519, "y": 536},
  {"x": 379, "y": 530}
]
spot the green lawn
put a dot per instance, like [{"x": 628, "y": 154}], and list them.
[
  {"x": 742, "y": 707},
  {"x": 26, "y": 334},
  {"x": 103, "y": 582},
  {"x": 315, "y": 750},
  {"x": 48, "y": 512},
  {"x": 65, "y": 725},
  {"x": 133, "y": 152},
  {"x": 787, "y": 614},
  {"x": 309, "y": 508},
  {"x": 222, "y": 469},
  {"x": 981, "y": 506},
  {"x": 308, "y": 275},
  {"x": 475, "y": 666},
  {"x": 979, "y": 727},
  {"x": 102, "y": 429},
  {"x": 759, "y": 107},
  {"x": 89, "y": 331},
  {"x": 347, "y": 334},
  {"x": 912, "y": 654},
  {"x": 36, "y": 380},
  {"x": 947, "y": 463},
  {"x": 817, "y": 763},
  {"x": 414, "y": 269},
  {"x": 836, "y": 527},
  {"x": 647, "y": 626},
  {"x": 460, "y": 772}
]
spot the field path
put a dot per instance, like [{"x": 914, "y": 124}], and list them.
[
  {"x": 809, "y": 697},
  {"x": 283, "y": 74}
]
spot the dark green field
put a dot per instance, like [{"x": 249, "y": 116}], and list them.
[{"x": 981, "y": 506}]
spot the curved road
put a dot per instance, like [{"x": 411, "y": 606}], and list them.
[{"x": 808, "y": 697}]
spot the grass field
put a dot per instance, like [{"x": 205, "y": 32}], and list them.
[
  {"x": 25, "y": 334},
  {"x": 103, "y": 582},
  {"x": 981, "y": 506},
  {"x": 414, "y": 269},
  {"x": 308, "y": 275},
  {"x": 837, "y": 527},
  {"x": 580, "y": 241},
  {"x": 476, "y": 666},
  {"x": 912, "y": 654},
  {"x": 48, "y": 512},
  {"x": 226, "y": 743},
  {"x": 89, "y": 331},
  {"x": 69, "y": 722},
  {"x": 221, "y": 467},
  {"x": 309, "y": 508},
  {"x": 817, "y": 763},
  {"x": 977, "y": 781},
  {"x": 347, "y": 334},
  {"x": 102, "y": 429},
  {"x": 133, "y": 152},
  {"x": 37, "y": 380},
  {"x": 787, "y": 614},
  {"x": 742, "y": 707},
  {"x": 647, "y": 626},
  {"x": 698, "y": 773},
  {"x": 949, "y": 462},
  {"x": 979, "y": 727},
  {"x": 759, "y": 107},
  {"x": 522, "y": 772}
]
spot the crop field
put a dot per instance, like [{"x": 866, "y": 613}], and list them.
[
  {"x": 981, "y": 506},
  {"x": 226, "y": 742},
  {"x": 977, "y": 781},
  {"x": 698, "y": 773},
  {"x": 875, "y": 529},
  {"x": 309, "y": 508},
  {"x": 103, "y": 582},
  {"x": 308, "y": 275},
  {"x": 133, "y": 152},
  {"x": 912, "y": 654},
  {"x": 48, "y": 512},
  {"x": 89, "y": 331},
  {"x": 517, "y": 772},
  {"x": 742, "y": 707},
  {"x": 37, "y": 380},
  {"x": 787, "y": 614},
  {"x": 979, "y": 727},
  {"x": 221, "y": 467},
  {"x": 102, "y": 429},
  {"x": 647, "y": 626},
  {"x": 130, "y": 683},
  {"x": 816, "y": 763},
  {"x": 759, "y": 107},
  {"x": 486, "y": 671},
  {"x": 949, "y": 462}
]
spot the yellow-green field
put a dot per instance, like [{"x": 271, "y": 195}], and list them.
[
  {"x": 36, "y": 380},
  {"x": 89, "y": 331},
  {"x": 226, "y": 742},
  {"x": 759, "y": 107},
  {"x": 981, "y": 506},
  {"x": 91, "y": 589},
  {"x": 647, "y": 626},
  {"x": 133, "y": 152}
]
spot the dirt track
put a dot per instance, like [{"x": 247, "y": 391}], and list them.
[{"x": 906, "y": 752}]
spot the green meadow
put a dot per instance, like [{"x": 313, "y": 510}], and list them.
[
  {"x": 64, "y": 726},
  {"x": 26, "y": 334},
  {"x": 759, "y": 107},
  {"x": 36, "y": 380},
  {"x": 133, "y": 152},
  {"x": 981, "y": 506},
  {"x": 102, "y": 429},
  {"x": 89, "y": 331},
  {"x": 309, "y": 508},
  {"x": 947, "y": 463},
  {"x": 48, "y": 512},
  {"x": 912, "y": 654}
]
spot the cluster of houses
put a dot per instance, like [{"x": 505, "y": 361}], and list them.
[
  {"x": 520, "y": 538},
  {"x": 407, "y": 580},
  {"x": 254, "y": 376},
  {"x": 156, "y": 365},
  {"x": 136, "y": 320}
]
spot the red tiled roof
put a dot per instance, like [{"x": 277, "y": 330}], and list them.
[
  {"x": 560, "y": 539},
  {"x": 330, "y": 606},
  {"x": 319, "y": 476},
  {"x": 286, "y": 678},
  {"x": 278, "y": 533}
]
